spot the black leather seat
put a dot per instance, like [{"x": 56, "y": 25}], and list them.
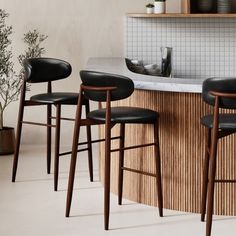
[
  {"x": 125, "y": 115},
  {"x": 226, "y": 121},
  {"x": 56, "y": 98},
  {"x": 219, "y": 93},
  {"x": 47, "y": 70},
  {"x": 104, "y": 87}
]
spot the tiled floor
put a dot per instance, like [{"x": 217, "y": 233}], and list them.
[{"x": 30, "y": 207}]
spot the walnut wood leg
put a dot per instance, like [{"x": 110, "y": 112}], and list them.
[
  {"x": 205, "y": 175},
  {"x": 121, "y": 163},
  {"x": 107, "y": 182},
  {"x": 210, "y": 199},
  {"x": 49, "y": 137},
  {"x": 158, "y": 169},
  {"x": 17, "y": 147},
  {"x": 18, "y": 132},
  {"x": 107, "y": 163},
  {"x": 212, "y": 168},
  {"x": 57, "y": 146},
  {"x": 73, "y": 156},
  {"x": 89, "y": 139}
]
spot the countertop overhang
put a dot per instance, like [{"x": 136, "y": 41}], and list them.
[{"x": 144, "y": 82}]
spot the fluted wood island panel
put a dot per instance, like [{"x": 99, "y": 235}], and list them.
[{"x": 182, "y": 153}]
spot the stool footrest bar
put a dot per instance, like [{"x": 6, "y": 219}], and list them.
[
  {"x": 138, "y": 171},
  {"x": 99, "y": 140},
  {"x": 83, "y": 122},
  {"x": 35, "y": 123},
  {"x": 133, "y": 147},
  {"x": 67, "y": 153}
]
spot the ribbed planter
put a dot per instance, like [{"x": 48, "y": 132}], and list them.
[
  {"x": 224, "y": 6},
  {"x": 7, "y": 141},
  {"x": 160, "y": 7},
  {"x": 205, "y": 6}
]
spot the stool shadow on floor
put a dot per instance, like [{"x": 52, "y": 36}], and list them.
[
  {"x": 77, "y": 189},
  {"x": 114, "y": 212},
  {"x": 157, "y": 224}
]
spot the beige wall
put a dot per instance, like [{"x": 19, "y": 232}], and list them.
[{"x": 77, "y": 30}]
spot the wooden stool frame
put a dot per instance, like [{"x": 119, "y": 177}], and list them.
[
  {"x": 108, "y": 126},
  {"x": 209, "y": 173}
]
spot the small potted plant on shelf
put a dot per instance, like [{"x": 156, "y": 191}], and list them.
[
  {"x": 160, "y": 6},
  {"x": 150, "y": 8},
  {"x": 10, "y": 82}
]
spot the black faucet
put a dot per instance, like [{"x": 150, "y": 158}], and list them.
[{"x": 166, "y": 61}]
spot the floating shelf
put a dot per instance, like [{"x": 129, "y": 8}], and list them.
[{"x": 181, "y": 15}]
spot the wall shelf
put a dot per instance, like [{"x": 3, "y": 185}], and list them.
[{"x": 181, "y": 15}]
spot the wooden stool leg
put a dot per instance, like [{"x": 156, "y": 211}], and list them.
[
  {"x": 121, "y": 163},
  {"x": 73, "y": 156},
  {"x": 210, "y": 199},
  {"x": 49, "y": 137},
  {"x": 89, "y": 139},
  {"x": 18, "y": 132},
  {"x": 57, "y": 146},
  {"x": 158, "y": 169},
  {"x": 107, "y": 182},
  {"x": 17, "y": 147},
  {"x": 212, "y": 168},
  {"x": 205, "y": 175},
  {"x": 90, "y": 155},
  {"x": 107, "y": 162},
  {"x": 211, "y": 185}
]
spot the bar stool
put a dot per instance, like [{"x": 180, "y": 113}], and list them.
[
  {"x": 46, "y": 70},
  {"x": 102, "y": 87},
  {"x": 220, "y": 93}
]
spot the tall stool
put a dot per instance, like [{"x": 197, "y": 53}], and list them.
[
  {"x": 102, "y": 87},
  {"x": 220, "y": 93},
  {"x": 46, "y": 70}
]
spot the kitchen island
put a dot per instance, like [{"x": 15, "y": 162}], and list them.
[{"x": 182, "y": 140}]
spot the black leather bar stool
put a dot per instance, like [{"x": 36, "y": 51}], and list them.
[
  {"x": 103, "y": 87},
  {"x": 220, "y": 93},
  {"x": 46, "y": 70}
]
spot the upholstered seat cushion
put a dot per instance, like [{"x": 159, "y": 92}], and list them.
[
  {"x": 226, "y": 121},
  {"x": 125, "y": 115},
  {"x": 56, "y": 98}
]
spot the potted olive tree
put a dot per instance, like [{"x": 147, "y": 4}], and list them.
[
  {"x": 9, "y": 85},
  {"x": 10, "y": 82}
]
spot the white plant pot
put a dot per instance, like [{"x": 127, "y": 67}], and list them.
[
  {"x": 150, "y": 10},
  {"x": 160, "y": 7}
]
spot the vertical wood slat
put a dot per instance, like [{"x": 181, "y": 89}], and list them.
[{"x": 182, "y": 140}]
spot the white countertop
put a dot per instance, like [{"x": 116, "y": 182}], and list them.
[{"x": 144, "y": 82}]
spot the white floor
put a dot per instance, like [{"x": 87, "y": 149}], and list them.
[{"x": 30, "y": 207}]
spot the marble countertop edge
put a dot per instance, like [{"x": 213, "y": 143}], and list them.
[{"x": 118, "y": 66}]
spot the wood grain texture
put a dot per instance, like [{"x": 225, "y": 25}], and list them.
[{"x": 182, "y": 146}]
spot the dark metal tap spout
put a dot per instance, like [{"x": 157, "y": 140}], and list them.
[{"x": 166, "y": 61}]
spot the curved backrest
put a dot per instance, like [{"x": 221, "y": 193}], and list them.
[
  {"x": 223, "y": 85},
  {"x": 124, "y": 85},
  {"x": 39, "y": 70}
]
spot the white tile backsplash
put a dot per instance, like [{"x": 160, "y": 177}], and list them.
[{"x": 202, "y": 47}]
